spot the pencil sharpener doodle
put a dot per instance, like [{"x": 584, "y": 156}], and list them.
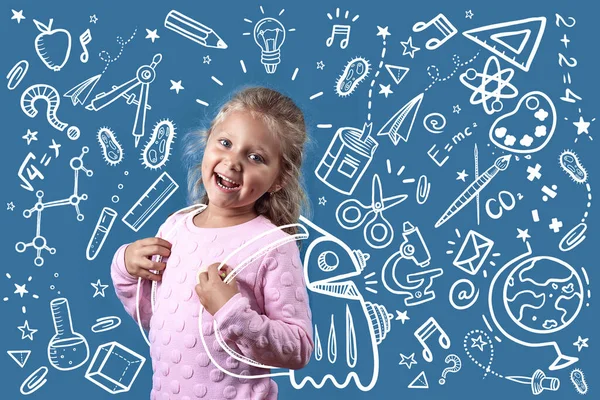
[
  {"x": 532, "y": 127},
  {"x": 570, "y": 163},
  {"x": 354, "y": 73},
  {"x": 114, "y": 367},
  {"x": 157, "y": 150},
  {"x": 578, "y": 380},
  {"x": 346, "y": 159},
  {"x": 347, "y": 329},
  {"x": 531, "y": 298},
  {"x": 112, "y": 152}
]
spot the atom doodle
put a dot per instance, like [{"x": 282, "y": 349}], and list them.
[{"x": 501, "y": 78}]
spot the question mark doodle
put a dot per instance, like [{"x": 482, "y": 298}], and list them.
[
  {"x": 450, "y": 358},
  {"x": 50, "y": 96}
]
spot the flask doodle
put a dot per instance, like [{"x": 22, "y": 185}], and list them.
[
  {"x": 52, "y": 98},
  {"x": 455, "y": 360}
]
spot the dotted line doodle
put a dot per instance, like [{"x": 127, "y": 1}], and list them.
[
  {"x": 369, "y": 103},
  {"x": 107, "y": 58},
  {"x": 466, "y": 345},
  {"x": 589, "y": 203},
  {"x": 435, "y": 77}
]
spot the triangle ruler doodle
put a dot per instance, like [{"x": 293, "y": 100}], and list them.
[
  {"x": 20, "y": 356},
  {"x": 514, "y": 41},
  {"x": 397, "y": 73},
  {"x": 420, "y": 382}
]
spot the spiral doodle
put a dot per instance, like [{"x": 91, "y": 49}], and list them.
[{"x": 434, "y": 122}]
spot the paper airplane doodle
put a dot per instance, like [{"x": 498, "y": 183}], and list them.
[
  {"x": 393, "y": 128},
  {"x": 503, "y": 40}
]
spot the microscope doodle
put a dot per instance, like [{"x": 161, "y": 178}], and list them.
[{"x": 415, "y": 249}]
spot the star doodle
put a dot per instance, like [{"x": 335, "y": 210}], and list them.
[
  {"x": 469, "y": 14},
  {"x": 20, "y": 289},
  {"x": 456, "y": 109},
  {"x": 55, "y": 146},
  {"x": 478, "y": 342},
  {"x": 402, "y": 316},
  {"x": 408, "y": 44},
  {"x": 580, "y": 343},
  {"x": 582, "y": 126},
  {"x": 99, "y": 288},
  {"x": 152, "y": 35},
  {"x": 385, "y": 90},
  {"x": 10, "y": 206},
  {"x": 461, "y": 176},
  {"x": 383, "y": 32},
  {"x": 30, "y": 136},
  {"x": 206, "y": 60},
  {"x": 30, "y": 332},
  {"x": 176, "y": 86},
  {"x": 93, "y": 19},
  {"x": 322, "y": 201},
  {"x": 408, "y": 361},
  {"x": 523, "y": 234},
  {"x": 18, "y": 15},
  {"x": 320, "y": 65}
]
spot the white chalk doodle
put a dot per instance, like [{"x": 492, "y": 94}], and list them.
[
  {"x": 569, "y": 162},
  {"x": 355, "y": 71},
  {"x": 53, "y": 46},
  {"x": 112, "y": 151},
  {"x": 443, "y": 25},
  {"x": 158, "y": 149},
  {"x": 530, "y": 129},
  {"x": 499, "y": 39}
]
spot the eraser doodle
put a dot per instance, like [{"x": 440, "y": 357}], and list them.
[
  {"x": 112, "y": 152},
  {"x": 158, "y": 149},
  {"x": 570, "y": 163},
  {"x": 354, "y": 73}
]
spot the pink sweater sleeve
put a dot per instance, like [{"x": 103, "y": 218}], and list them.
[
  {"x": 126, "y": 288},
  {"x": 282, "y": 336},
  {"x": 126, "y": 284}
]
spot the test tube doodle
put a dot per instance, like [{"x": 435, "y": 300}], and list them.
[{"x": 101, "y": 231}]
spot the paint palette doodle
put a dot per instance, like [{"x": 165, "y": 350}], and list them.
[{"x": 528, "y": 128}]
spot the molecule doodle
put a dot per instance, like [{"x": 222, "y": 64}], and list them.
[{"x": 39, "y": 241}]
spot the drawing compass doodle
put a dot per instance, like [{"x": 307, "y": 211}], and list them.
[
  {"x": 377, "y": 206},
  {"x": 144, "y": 76}
]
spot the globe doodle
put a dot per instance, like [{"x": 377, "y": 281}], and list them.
[{"x": 543, "y": 295}]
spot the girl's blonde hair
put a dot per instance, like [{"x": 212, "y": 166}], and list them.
[{"x": 286, "y": 121}]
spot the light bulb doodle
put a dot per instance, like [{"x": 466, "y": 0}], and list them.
[{"x": 269, "y": 35}]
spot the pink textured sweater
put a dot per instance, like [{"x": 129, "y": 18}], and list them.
[{"x": 269, "y": 321}]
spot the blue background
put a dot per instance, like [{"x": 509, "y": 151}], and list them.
[{"x": 183, "y": 60}]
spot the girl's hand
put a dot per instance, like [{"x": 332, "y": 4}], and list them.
[
  {"x": 138, "y": 257},
  {"x": 212, "y": 291}
]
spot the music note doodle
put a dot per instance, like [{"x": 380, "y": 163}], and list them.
[
  {"x": 425, "y": 331},
  {"x": 339, "y": 30},
  {"x": 443, "y": 25},
  {"x": 85, "y": 38}
]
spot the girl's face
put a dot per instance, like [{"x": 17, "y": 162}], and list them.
[{"x": 241, "y": 162}]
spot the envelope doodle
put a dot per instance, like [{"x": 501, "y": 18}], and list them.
[{"x": 473, "y": 252}]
